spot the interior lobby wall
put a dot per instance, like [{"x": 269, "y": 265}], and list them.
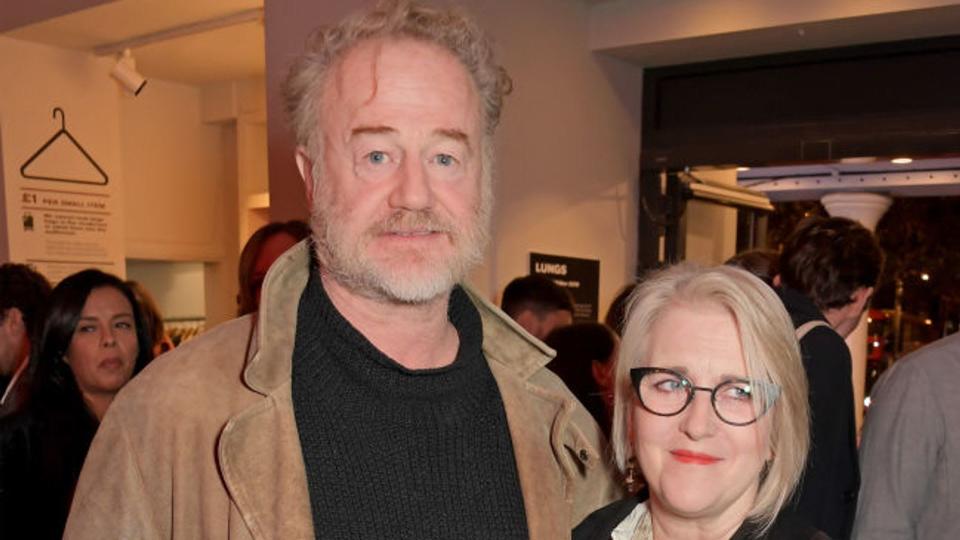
[
  {"x": 567, "y": 145},
  {"x": 34, "y": 79},
  {"x": 711, "y": 231},
  {"x": 175, "y": 192},
  {"x": 175, "y": 175},
  {"x": 181, "y": 187}
]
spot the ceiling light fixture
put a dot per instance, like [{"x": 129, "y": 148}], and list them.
[
  {"x": 125, "y": 72},
  {"x": 901, "y": 161}
]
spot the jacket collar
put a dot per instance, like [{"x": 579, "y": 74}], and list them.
[{"x": 270, "y": 355}]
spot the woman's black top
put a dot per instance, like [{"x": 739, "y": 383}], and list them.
[
  {"x": 42, "y": 449},
  {"x": 600, "y": 524}
]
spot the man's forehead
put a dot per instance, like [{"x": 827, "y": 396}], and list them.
[{"x": 401, "y": 73}]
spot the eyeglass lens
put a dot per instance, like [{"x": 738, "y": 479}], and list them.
[{"x": 667, "y": 393}]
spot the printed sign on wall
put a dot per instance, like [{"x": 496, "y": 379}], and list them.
[
  {"x": 61, "y": 207},
  {"x": 579, "y": 276}
]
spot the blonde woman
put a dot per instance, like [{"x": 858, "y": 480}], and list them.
[{"x": 711, "y": 401}]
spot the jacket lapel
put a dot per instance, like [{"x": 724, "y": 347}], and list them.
[
  {"x": 262, "y": 467},
  {"x": 528, "y": 413},
  {"x": 259, "y": 449}
]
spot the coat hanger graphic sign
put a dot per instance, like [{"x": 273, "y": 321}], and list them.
[{"x": 61, "y": 150}]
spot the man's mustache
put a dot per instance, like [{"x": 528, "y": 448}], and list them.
[{"x": 410, "y": 221}]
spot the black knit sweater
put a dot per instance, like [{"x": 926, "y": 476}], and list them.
[{"x": 398, "y": 453}]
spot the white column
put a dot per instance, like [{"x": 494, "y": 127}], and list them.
[{"x": 867, "y": 208}]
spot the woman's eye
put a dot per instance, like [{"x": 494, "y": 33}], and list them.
[
  {"x": 669, "y": 385},
  {"x": 86, "y": 328},
  {"x": 124, "y": 325},
  {"x": 740, "y": 392}
]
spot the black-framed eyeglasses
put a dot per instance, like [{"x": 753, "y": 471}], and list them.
[{"x": 738, "y": 402}]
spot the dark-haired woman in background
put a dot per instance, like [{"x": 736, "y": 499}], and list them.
[
  {"x": 265, "y": 245},
  {"x": 93, "y": 341}
]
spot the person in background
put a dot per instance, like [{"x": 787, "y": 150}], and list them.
[
  {"x": 585, "y": 362},
  {"x": 373, "y": 396},
  {"x": 618, "y": 308},
  {"x": 264, "y": 246},
  {"x": 711, "y": 401},
  {"x": 93, "y": 341},
  {"x": 910, "y": 452},
  {"x": 761, "y": 262},
  {"x": 23, "y": 302},
  {"x": 152, "y": 318},
  {"x": 537, "y": 304},
  {"x": 828, "y": 269}
]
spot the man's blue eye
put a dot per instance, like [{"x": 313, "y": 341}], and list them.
[
  {"x": 445, "y": 159},
  {"x": 377, "y": 157}
]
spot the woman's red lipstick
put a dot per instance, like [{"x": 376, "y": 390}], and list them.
[{"x": 696, "y": 458}]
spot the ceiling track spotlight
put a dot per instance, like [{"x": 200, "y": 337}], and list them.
[{"x": 125, "y": 72}]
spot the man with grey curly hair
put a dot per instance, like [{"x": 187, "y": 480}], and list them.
[{"x": 372, "y": 396}]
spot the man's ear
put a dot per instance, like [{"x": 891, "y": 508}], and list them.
[
  {"x": 305, "y": 165},
  {"x": 860, "y": 298},
  {"x": 530, "y": 322},
  {"x": 12, "y": 323},
  {"x": 599, "y": 372}
]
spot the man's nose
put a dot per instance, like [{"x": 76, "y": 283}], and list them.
[{"x": 412, "y": 190}]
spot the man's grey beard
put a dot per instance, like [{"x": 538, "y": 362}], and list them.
[{"x": 352, "y": 267}]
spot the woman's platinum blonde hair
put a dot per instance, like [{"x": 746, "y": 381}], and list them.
[
  {"x": 770, "y": 351},
  {"x": 449, "y": 29}
]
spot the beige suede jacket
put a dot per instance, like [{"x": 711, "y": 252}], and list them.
[{"x": 203, "y": 443}]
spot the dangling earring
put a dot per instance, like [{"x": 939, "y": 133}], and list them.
[
  {"x": 633, "y": 477},
  {"x": 766, "y": 468}
]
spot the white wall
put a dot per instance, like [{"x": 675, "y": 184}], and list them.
[
  {"x": 172, "y": 173},
  {"x": 177, "y": 287},
  {"x": 182, "y": 187},
  {"x": 711, "y": 236},
  {"x": 242, "y": 104},
  {"x": 175, "y": 176},
  {"x": 33, "y": 80},
  {"x": 568, "y": 144}
]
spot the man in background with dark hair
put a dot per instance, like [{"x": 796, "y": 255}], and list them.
[
  {"x": 828, "y": 269},
  {"x": 23, "y": 301},
  {"x": 537, "y": 304}
]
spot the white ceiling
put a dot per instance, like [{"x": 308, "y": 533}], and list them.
[
  {"x": 921, "y": 178},
  {"x": 625, "y": 29},
  {"x": 229, "y": 53}
]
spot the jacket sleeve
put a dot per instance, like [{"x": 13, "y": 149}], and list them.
[
  {"x": 902, "y": 438},
  {"x": 111, "y": 499}
]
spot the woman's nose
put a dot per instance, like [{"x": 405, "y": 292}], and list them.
[
  {"x": 108, "y": 339},
  {"x": 699, "y": 419}
]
